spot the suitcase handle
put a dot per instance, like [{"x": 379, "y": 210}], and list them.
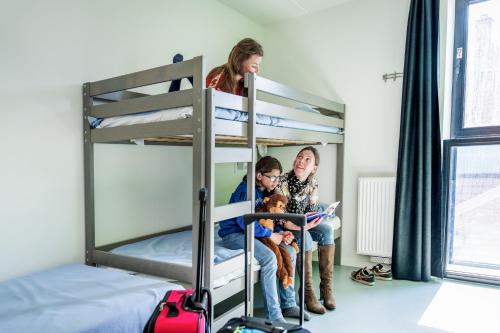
[{"x": 297, "y": 219}]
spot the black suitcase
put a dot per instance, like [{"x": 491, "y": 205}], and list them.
[
  {"x": 186, "y": 311},
  {"x": 235, "y": 324}
]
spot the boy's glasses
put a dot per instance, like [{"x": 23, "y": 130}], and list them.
[{"x": 272, "y": 178}]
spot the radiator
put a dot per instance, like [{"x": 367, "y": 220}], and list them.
[{"x": 376, "y": 196}]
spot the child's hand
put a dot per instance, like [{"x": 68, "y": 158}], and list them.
[
  {"x": 276, "y": 238},
  {"x": 287, "y": 237}
]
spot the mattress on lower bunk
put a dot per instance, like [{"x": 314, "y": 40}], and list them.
[
  {"x": 177, "y": 248},
  {"x": 220, "y": 113},
  {"x": 79, "y": 298}
]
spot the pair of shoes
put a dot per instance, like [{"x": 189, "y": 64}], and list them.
[
  {"x": 381, "y": 273},
  {"x": 294, "y": 312},
  {"x": 364, "y": 276}
]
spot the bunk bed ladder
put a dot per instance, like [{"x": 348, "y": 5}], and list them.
[
  {"x": 88, "y": 151},
  {"x": 216, "y": 155}
]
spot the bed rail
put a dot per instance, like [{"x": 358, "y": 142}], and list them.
[
  {"x": 144, "y": 78},
  {"x": 281, "y": 90}
]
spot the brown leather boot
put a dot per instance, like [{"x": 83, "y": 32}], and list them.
[
  {"x": 312, "y": 303},
  {"x": 326, "y": 255}
]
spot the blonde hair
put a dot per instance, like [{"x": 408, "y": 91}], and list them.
[{"x": 245, "y": 48}]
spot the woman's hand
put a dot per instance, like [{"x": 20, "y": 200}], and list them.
[
  {"x": 314, "y": 222},
  {"x": 287, "y": 237},
  {"x": 276, "y": 238}
]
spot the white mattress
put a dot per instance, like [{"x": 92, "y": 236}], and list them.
[
  {"x": 220, "y": 113},
  {"x": 79, "y": 298}
]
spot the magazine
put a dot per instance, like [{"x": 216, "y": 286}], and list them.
[{"x": 329, "y": 211}]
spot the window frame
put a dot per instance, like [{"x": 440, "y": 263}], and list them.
[
  {"x": 449, "y": 169},
  {"x": 459, "y": 77}
]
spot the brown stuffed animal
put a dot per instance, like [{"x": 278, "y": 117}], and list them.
[{"x": 276, "y": 203}]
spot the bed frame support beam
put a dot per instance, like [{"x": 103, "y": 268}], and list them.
[
  {"x": 144, "y": 104},
  {"x": 225, "y": 212},
  {"x": 144, "y": 78},
  {"x": 280, "y": 90}
]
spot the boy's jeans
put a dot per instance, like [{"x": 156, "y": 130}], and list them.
[{"x": 268, "y": 268}]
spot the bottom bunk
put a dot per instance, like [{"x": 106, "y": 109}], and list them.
[
  {"x": 176, "y": 248},
  {"x": 79, "y": 298}
]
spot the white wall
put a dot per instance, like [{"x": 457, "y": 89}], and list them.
[
  {"x": 326, "y": 171},
  {"x": 49, "y": 49},
  {"x": 341, "y": 53}
]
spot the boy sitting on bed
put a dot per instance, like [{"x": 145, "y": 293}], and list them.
[{"x": 267, "y": 172}]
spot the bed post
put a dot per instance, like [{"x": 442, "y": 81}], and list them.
[
  {"x": 339, "y": 195},
  {"x": 199, "y": 158},
  {"x": 210, "y": 181},
  {"x": 88, "y": 154},
  {"x": 250, "y": 84}
]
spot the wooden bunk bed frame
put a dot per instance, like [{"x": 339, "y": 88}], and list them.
[{"x": 213, "y": 141}]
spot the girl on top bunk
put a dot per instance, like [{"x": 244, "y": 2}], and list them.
[
  {"x": 301, "y": 189},
  {"x": 267, "y": 172},
  {"x": 245, "y": 57}
]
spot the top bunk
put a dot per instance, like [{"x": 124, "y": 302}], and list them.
[{"x": 122, "y": 109}]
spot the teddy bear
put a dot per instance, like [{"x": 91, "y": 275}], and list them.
[{"x": 276, "y": 203}]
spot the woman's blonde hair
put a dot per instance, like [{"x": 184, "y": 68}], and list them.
[{"x": 245, "y": 48}]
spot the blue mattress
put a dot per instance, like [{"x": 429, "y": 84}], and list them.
[
  {"x": 79, "y": 298},
  {"x": 173, "y": 248}
]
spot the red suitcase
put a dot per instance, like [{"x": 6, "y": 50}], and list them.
[{"x": 185, "y": 310}]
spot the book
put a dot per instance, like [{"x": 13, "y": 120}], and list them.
[{"x": 326, "y": 213}]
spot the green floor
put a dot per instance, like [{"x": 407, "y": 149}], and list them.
[{"x": 404, "y": 306}]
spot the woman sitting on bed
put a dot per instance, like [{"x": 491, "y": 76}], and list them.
[
  {"x": 245, "y": 57},
  {"x": 301, "y": 189},
  {"x": 267, "y": 172}
]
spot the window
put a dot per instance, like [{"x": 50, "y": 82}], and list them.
[{"x": 472, "y": 156}]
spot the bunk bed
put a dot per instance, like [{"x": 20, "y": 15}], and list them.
[{"x": 129, "y": 115}]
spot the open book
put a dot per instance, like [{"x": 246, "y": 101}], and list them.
[{"x": 326, "y": 213}]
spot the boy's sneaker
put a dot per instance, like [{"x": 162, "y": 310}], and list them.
[
  {"x": 364, "y": 276},
  {"x": 294, "y": 312},
  {"x": 381, "y": 273}
]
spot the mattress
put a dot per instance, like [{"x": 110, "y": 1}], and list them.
[
  {"x": 79, "y": 298},
  {"x": 177, "y": 248},
  {"x": 220, "y": 113}
]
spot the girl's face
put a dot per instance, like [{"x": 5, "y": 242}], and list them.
[
  {"x": 304, "y": 165},
  {"x": 269, "y": 180},
  {"x": 251, "y": 65}
]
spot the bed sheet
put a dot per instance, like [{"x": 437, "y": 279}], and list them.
[
  {"x": 79, "y": 298},
  {"x": 177, "y": 248},
  {"x": 220, "y": 113}
]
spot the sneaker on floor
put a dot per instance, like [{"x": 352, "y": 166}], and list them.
[
  {"x": 381, "y": 273},
  {"x": 294, "y": 312},
  {"x": 363, "y": 276}
]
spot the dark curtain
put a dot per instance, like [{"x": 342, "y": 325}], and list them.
[{"x": 417, "y": 246}]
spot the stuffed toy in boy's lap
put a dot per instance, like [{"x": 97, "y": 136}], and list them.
[{"x": 276, "y": 203}]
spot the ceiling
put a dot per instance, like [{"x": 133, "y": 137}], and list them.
[{"x": 272, "y": 11}]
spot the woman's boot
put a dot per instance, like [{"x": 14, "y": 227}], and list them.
[
  {"x": 312, "y": 303},
  {"x": 326, "y": 255}
]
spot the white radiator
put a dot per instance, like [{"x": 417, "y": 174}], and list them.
[{"x": 376, "y": 196}]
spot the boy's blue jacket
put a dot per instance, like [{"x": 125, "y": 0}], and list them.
[{"x": 236, "y": 224}]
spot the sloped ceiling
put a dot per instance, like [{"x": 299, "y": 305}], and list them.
[{"x": 271, "y": 11}]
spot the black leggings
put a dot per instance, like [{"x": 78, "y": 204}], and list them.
[{"x": 175, "y": 85}]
